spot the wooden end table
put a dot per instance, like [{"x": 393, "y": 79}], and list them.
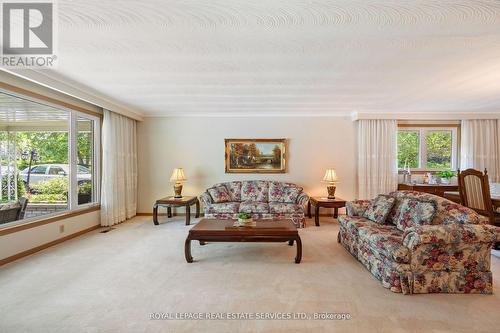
[
  {"x": 212, "y": 230},
  {"x": 170, "y": 202},
  {"x": 318, "y": 202}
]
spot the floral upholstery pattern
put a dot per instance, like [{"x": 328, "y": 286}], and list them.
[
  {"x": 254, "y": 207},
  {"x": 357, "y": 207},
  {"x": 458, "y": 282},
  {"x": 448, "y": 212},
  {"x": 206, "y": 199},
  {"x": 451, "y": 255},
  {"x": 415, "y": 212},
  {"x": 302, "y": 199},
  {"x": 219, "y": 194},
  {"x": 279, "y": 208},
  {"x": 255, "y": 190},
  {"x": 234, "y": 189},
  {"x": 451, "y": 233},
  {"x": 253, "y": 197},
  {"x": 386, "y": 241},
  {"x": 378, "y": 210},
  {"x": 224, "y": 207},
  {"x": 283, "y": 192}
]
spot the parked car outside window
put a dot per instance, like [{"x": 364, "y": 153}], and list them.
[{"x": 43, "y": 172}]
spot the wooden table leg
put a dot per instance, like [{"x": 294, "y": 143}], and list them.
[
  {"x": 169, "y": 212},
  {"x": 309, "y": 209},
  {"x": 298, "y": 258},
  {"x": 197, "y": 208},
  {"x": 316, "y": 215},
  {"x": 187, "y": 250},
  {"x": 188, "y": 214},
  {"x": 155, "y": 214},
  {"x": 335, "y": 212}
]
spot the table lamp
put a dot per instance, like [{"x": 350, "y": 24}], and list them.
[
  {"x": 331, "y": 178},
  {"x": 177, "y": 177}
]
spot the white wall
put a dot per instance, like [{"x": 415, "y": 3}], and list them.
[
  {"x": 24, "y": 240},
  {"x": 197, "y": 145}
]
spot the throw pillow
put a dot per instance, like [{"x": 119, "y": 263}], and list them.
[
  {"x": 219, "y": 194},
  {"x": 379, "y": 208},
  {"x": 281, "y": 192},
  {"x": 415, "y": 212}
]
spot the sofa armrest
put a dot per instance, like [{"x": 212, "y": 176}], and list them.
[
  {"x": 450, "y": 234},
  {"x": 206, "y": 199},
  {"x": 302, "y": 199},
  {"x": 357, "y": 207}
]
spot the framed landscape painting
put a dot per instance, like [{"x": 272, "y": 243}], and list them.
[{"x": 255, "y": 155}]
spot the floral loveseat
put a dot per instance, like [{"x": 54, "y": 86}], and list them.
[
  {"x": 263, "y": 199},
  {"x": 448, "y": 254}
]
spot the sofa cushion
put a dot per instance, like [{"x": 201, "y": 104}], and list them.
[
  {"x": 283, "y": 192},
  {"x": 415, "y": 212},
  {"x": 219, "y": 194},
  {"x": 255, "y": 190},
  {"x": 254, "y": 207},
  {"x": 378, "y": 210},
  {"x": 285, "y": 208},
  {"x": 352, "y": 224},
  {"x": 448, "y": 212},
  {"x": 385, "y": 241},
  {"x": 234, "y": 189},
  {"x": 224, "y": 207}
]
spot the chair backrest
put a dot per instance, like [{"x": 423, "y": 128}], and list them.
[{"x": 475, "y": 191}]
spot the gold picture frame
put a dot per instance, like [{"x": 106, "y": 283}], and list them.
[{"x": 255, "y": 155}]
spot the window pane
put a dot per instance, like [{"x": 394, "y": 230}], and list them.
[
  {"x": 85, "y": 152},
  {"x": 32, "y": 135},
  {"x": 439, "y": 149},
  {"x": 408, "y": 149},
  {"x": 40, "y": 169}
]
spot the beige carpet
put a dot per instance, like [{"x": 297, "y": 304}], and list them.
[{"x": 112, "y": 282}]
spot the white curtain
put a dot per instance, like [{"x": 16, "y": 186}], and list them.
[
  {"x": 480, "y": 147},
  {"x": 377, "y": 157},
  {"x": 119, "y": 169}
]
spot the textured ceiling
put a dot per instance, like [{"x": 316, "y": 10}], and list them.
[{"x": 317, "y": 57}]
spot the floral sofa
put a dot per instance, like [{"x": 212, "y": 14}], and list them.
[
  {"x": 262, "y": 199},
  {"x": 448, "y": 253}
]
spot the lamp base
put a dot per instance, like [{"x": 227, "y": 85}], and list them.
[
  {"x": 331, "y": 191},
  {"x": 177, "y": 190}
]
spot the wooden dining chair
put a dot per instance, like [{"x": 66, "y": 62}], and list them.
[{"x": 475, "y": 193}]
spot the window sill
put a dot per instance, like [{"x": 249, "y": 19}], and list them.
[{"x": 37, "y": 221}]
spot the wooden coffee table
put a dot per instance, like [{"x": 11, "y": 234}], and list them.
[
  {"x": 211, "y": 230},
  {"x": 318, "y": 202},
  {"x": 171, "y": 201}
]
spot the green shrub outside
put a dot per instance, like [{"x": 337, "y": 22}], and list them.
[
  {"x": 21, "y": 190},
  {"x": 52, "y": 190}
]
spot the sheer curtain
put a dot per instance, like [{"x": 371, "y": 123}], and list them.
[
  {"x": 480, "y": 146},
  {"x": 377, "y": 157},
  {"x": 119, "y": 169}
]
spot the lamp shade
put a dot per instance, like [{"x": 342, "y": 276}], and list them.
[
  {"x": 178, "y": 175},
  {"x": 330, "y": 176}
]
